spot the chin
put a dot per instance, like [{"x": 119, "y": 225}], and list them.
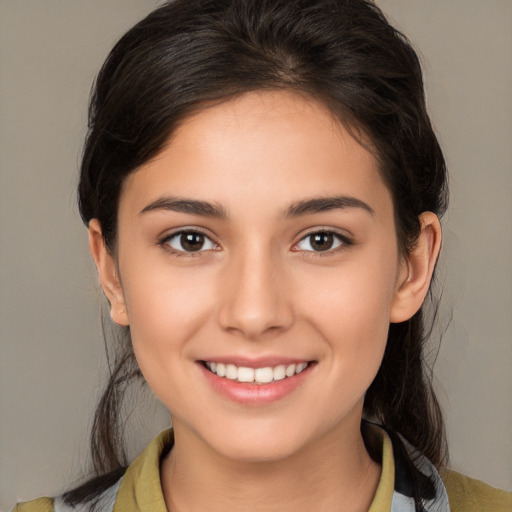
[
  {"x": 260, "y": 441},
  {"x": 259, "y": 451}
]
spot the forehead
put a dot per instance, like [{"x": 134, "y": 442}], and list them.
[{"x": 261, "y": 148}]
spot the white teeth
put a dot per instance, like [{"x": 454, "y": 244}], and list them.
[
  {"x": 279, "y": 372},
  {"x": 290, "y": 370},
  {"x": 231, "y": 372},
  {"x": 264, "y": 375},
  {"x": 259, "y": 375},
  {"x": 301, "y": 367},
  {"x": 221, "y": 370},
  {"x": 245, "y": 374}
]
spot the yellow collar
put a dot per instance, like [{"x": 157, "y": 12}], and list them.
[{"x": 141, "y": 489}]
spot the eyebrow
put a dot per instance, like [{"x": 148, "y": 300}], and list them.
[
  {"x": 325, "y": 204},
  {"x": 297, "y": 209},
  {"x": 183, "y": 205}
]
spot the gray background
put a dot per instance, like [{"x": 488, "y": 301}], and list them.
[{"x": 51, "y": 348}]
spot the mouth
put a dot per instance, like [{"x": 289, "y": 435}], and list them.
[
  {"x": 257, "y": 376},
  {"x": 256, "y": 383}
]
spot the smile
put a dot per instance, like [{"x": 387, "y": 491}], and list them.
[{"x": 264, "y": 375}]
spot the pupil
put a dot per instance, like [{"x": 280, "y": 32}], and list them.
[
  {"x": 322, "y": 241},
  {"x": 192, "y": 241}
]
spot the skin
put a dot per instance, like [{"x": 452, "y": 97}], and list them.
[{"x": 259, "y": 290}]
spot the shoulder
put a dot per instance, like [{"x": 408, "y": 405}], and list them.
[
  {"x": 39, "y": 505},
  {"x": 121, "y": 490},
  {"x": 470, "y": 495}
]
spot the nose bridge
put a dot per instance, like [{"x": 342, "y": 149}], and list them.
[{"x": 254, "y": 300}]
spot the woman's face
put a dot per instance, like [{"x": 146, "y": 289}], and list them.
[{"x": 260, "y": 240}]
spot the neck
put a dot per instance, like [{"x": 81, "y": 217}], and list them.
[{"x": 336, "y": 473}]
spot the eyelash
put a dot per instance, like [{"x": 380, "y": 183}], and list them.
[
  {"x": 343, "y": 242},
  {"x": 182, "y": 253}
]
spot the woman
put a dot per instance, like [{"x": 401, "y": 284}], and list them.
[{"x": 262, "y": 188}]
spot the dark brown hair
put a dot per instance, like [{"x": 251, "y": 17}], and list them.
[{"x": 342, "y": 53}]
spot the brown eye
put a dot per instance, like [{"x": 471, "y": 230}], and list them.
[
  {"x": 190, "y": 241},
  {"x": 322, "y": 241}
]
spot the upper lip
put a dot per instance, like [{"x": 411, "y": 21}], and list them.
[{"x": 261, "y": 362}]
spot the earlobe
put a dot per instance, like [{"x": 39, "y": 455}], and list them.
[
  {"x": 108, "y": 274},
  {"x": 414, "y": 281}
]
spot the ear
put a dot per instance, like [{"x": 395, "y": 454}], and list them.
[
  {"x": 108, "y": 274},
  {"x": 417, "y": 269}
]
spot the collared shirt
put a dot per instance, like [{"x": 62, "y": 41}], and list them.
[{"x": 140, "y": 490}]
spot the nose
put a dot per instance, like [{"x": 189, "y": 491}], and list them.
[{"x": 254, "y": 299}]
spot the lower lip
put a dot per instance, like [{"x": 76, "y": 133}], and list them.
[{"x": 255, "y": 394}]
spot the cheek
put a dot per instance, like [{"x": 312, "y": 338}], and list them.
[
  {"x": 350, "y": 308},
  {"x": 165, "y": 313},
  {"x": 159, "y": 294},
  {"x": 165, "y": 310}
]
